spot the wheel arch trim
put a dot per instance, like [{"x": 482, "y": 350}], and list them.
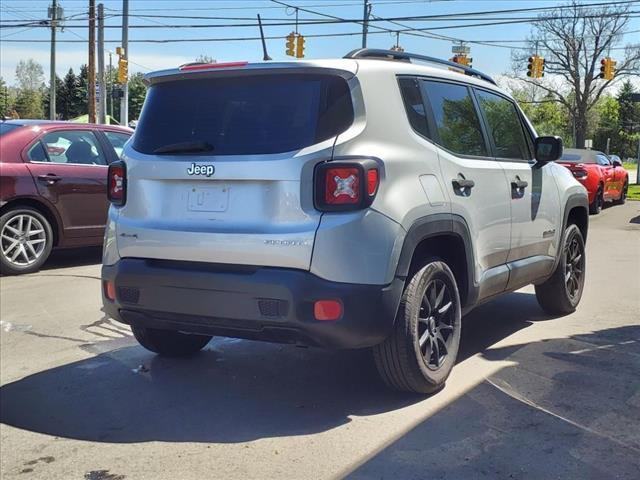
[{"x": 439, "y": 225}]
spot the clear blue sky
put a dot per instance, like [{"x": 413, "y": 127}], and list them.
[{"x": 145, "y": 57}]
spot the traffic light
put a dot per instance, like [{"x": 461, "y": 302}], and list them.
[
  {"x": 291, "y": 44},
  {"x": 607, "y": 68},
  {"x": 123, "y": 70},
  {"x": 532, "y": 67},
  {"x": 462, "y": 60},
  {"x": 300, "y": 46},
  {"x": 535, "y": 68}
]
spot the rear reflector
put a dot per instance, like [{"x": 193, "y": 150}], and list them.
[
  {"x": 327, "y": 310},
  {"x": 117, "y": 183},
  {"x": 210, "y": 66},
  {"x": 109, "y": 289}
]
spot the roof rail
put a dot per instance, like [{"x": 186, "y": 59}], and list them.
[{"x": 394, "y": 55}]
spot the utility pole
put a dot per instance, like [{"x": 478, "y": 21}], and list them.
[
  {"x": 110, "y": 83},
  {"x": 53, "y": 14},
  {"x": 365, "y": 22},
  {"x": 102, "y": 100},
  {"x": 124, "y": 103},
  {"x": 92, "y": 61},
  {"x": 608, "y": 145}
]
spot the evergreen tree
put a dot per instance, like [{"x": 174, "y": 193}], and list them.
[
  {"x": 629, "y": 121},
  {"x": 70, "y": 96},
  {"x": 83, "y": 91},
  {"x": 5, "y": 107},
  {"x": 59, "y": 95}
]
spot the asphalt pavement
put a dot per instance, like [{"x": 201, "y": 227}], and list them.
[{"x": 532, "y": 397}]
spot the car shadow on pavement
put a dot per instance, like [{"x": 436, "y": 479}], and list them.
[
  {"x": 73, "y": 257},
  {"x": 563, "y": 408},
  {"x": 233, "y": 391}
]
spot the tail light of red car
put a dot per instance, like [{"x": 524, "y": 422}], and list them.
[
  {"x": 117, "y": 183},
  {"x": 346, "y": 184},
  {"x": 579, "y": 172}
]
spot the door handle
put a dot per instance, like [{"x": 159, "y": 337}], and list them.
[
  {"x": 463, "y": 185},
  {"x": 49, "y": 179}
]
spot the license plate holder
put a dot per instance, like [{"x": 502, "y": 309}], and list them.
[{"x": 208, "y": 199}]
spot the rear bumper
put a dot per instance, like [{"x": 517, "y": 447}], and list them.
[{"x": 257, "y": 303}]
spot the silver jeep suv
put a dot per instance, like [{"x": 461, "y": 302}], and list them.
[{"x": 368, "y": 201}]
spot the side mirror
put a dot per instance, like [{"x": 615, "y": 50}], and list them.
[
  {"x": 548, "y": 149},
  {"x": 616, "y": 163}
]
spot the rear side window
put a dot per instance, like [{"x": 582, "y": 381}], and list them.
[
  {"x": 456, "y": 118},
  {"x": 117, "y": 140},
  {"x": 79, "y": 147},
  {"x": 414, "y": 105},
  {"x": 259, "y": 114},
  {"x": 37, "y": 154},
  {"x": 505, "y": 127}
]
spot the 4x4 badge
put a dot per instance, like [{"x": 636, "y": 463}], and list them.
[{"x": 196, "y": 169}]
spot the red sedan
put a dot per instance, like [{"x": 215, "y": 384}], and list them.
[
  {"x": 53, "y": 183},
  {"x": 604, "y": 179}
]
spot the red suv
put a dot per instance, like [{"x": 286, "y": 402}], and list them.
[
  {"x": 605, "y": 179},
  {"x": 53, "y": 183}
]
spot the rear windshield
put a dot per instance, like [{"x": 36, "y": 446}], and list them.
[
  {"x": 576, "y": 158},
  {"x": 7, "y": 127},
  {"x": 244, "y": 115}
]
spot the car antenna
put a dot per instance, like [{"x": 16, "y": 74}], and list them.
[{"x": 266, "y": 56}]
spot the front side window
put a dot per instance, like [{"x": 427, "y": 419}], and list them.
[
  {"x": 78, "y": 147},
  {"x": 456, "y": 118},
  {"x": 504, "y": 124}
]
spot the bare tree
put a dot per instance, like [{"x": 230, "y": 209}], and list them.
[{"x": 573, "y": 39}]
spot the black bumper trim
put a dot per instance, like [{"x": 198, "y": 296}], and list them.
[{"x": 261, "y": 303}]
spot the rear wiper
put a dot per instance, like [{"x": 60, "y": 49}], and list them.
[{"x": 185, "y": 147}]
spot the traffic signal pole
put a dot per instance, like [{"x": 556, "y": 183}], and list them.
[{"x": 124, "y": 102}]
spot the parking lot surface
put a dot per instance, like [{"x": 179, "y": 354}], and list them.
[{"x": 531, "y": 397}]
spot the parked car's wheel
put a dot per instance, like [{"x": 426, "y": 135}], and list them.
[
  {"x": 26, "y": 240},
  {"x": 422, "y": 349},
  {"x": 623, "y": 194},
  {"x": 598, "y": 201},
  {"x": 169, "y": 343},
  {"x": 561, "y": 293}
]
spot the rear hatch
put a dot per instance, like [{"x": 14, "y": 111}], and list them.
[{"x": 220, "y": 168}]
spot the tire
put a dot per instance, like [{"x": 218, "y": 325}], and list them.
[
  {"x": 623, "y": 195},
  {"x": 557, "y": 296},
  {"x": 169, "y": 343},
  {"x": 26, "y": 240},
  {"x": 401, "y": 361},
  {"x": 595, "y": 207}
]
